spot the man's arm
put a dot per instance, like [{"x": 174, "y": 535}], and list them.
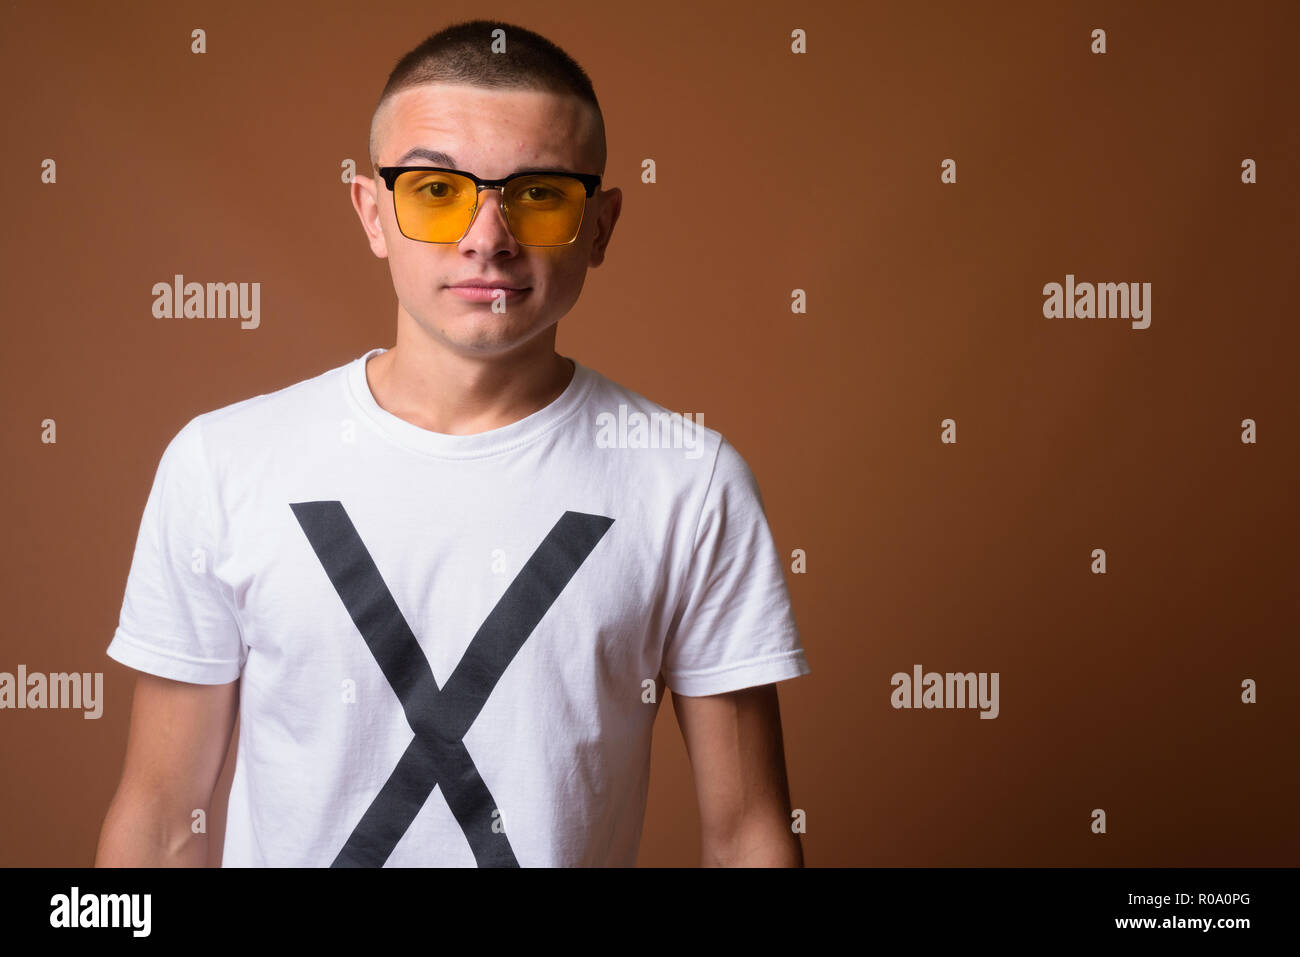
[
  {"x": 178, "y": 740},
  {"x": 738, "y": 758}
]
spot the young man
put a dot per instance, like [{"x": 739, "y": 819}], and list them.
[{"x": 446, "y": 584}]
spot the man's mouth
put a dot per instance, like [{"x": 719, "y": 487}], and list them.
[{"x": 483, "y": 291}]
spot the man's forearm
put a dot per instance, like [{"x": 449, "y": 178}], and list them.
[
  {"x": 140, "y": 832},
  {"x": 766, "y": 842}
]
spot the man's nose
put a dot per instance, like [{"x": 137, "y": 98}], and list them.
[{"x": 489, "y": 222}]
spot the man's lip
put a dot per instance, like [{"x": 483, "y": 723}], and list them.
[{"x": 487, "y": 293}]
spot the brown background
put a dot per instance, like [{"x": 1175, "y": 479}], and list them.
[{"x": 775, "y": 172}]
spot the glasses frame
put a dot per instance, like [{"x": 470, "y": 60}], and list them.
[{"x": 590, "y": 182}]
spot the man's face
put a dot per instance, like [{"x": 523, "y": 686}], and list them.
[{"x": 491, "y": 133}]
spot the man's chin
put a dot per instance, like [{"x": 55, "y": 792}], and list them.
[{"x": 487, "y": 334}]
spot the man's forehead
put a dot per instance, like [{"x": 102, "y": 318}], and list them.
[{"x": 505, "y": 122}]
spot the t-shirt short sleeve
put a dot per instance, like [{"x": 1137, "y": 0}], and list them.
[
  {"x": 734, "y": 626},
  {"x": 177, "y": 617}
]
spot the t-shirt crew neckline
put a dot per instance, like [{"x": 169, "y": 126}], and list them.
[{"x": 491, "y": 442}]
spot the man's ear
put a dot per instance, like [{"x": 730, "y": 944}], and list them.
[
  {"x": 611, "y": 204},
  {"x": 365, "y": 200}
]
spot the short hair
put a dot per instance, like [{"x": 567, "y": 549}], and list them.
[{"x": 462, "y": 53}]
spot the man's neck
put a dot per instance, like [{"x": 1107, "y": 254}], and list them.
[{"x": 447, "y": 392}]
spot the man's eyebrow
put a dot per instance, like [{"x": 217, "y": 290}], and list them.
[
  {"x": 436, "y": 157},
  {"x": 439, "y": 158}
]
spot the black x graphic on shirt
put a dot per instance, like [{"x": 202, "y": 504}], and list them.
[{"x": 440, "y": 718}]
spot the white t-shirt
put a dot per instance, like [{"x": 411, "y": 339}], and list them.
[{"x": 448, "y": 645}]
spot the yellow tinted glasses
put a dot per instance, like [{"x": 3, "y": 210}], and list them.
[{"x": 437, "y": 205}]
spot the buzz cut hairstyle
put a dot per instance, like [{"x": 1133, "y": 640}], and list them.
[{"x": 462, "y": 53}]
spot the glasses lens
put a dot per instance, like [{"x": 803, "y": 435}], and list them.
[
  {"x": 542, "y": 210},
  {"x": 433, "y": 207},
  {"x": 545, "y": 210}
]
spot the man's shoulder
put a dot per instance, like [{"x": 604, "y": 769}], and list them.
[
  {"x": 627, "y": 419},
  {"x": 266, "y": 418},
  {"x": 287, "y": 400},
  {"x": 629, "y": 415}
]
